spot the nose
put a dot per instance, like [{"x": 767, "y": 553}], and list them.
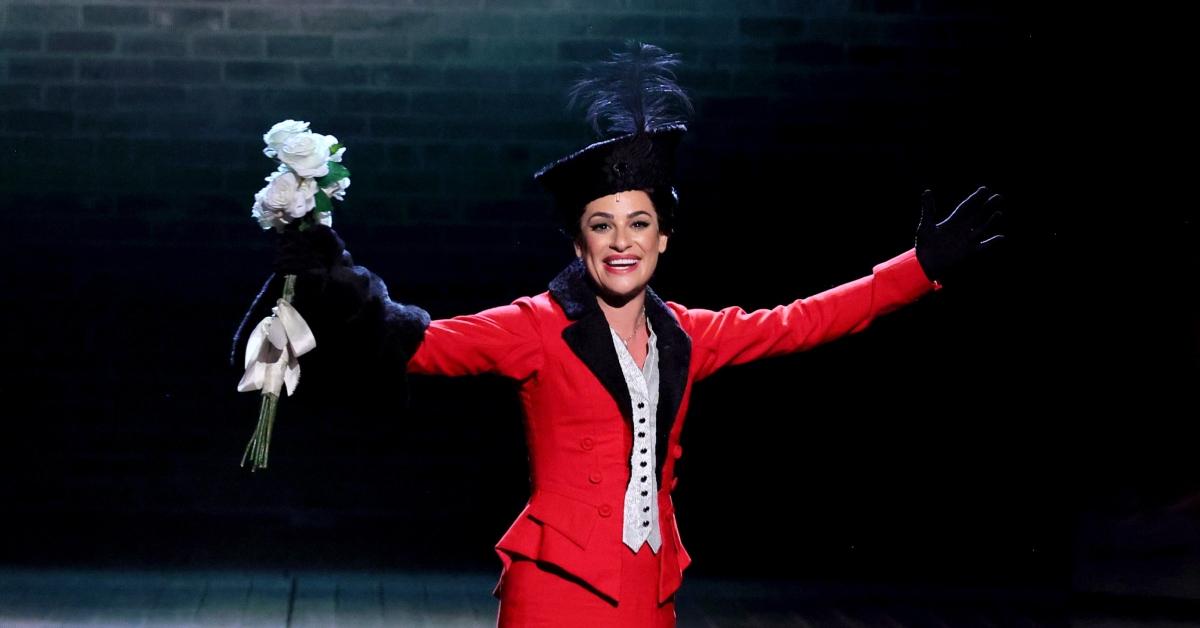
[{"x": 621, "y": 239}]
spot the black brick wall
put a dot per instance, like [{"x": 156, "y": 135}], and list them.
[{"x": 132, "y": 152}]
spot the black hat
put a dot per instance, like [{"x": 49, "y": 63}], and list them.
[{"x": 634, "y": 101}]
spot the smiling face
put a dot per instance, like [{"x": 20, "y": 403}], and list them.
[{"x": 619, "y": 243}]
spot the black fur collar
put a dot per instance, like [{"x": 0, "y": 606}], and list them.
[
  {"x": 573, "y": 290},
  {"x": 590, "y": 339}
]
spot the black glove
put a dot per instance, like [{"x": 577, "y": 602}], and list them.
[
  {"x": 347, "y": 307},
  {"x": 943, "y": 246},
  {"x": 315, "y": 248}
]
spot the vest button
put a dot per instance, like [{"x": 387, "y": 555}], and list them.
[
  {"x": 605, "y": 510},
  {"x": 594, "y": 477},
  {"x": 587, "y": 443}
]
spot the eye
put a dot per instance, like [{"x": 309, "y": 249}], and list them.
[
  {"x": 599, "y": 227},
  {"x": 641, "y": 224}
]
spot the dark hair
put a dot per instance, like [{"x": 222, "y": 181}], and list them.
[{"x": 664, "y": 199}]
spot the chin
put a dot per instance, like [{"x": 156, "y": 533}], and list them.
[{"x": 623, "y": 290}]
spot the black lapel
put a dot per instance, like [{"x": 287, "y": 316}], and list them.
[
  {"x": 589, "y": 337},
  {"x": 674, "y": 356}
]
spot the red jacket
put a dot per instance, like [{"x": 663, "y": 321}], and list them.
[{"x": 557, "y": 345}]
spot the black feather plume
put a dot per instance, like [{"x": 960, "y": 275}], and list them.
[{"x": 633, "y": 91}]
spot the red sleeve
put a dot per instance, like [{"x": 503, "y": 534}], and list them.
[
  {"x": 503, "y": 341},
  {"x": 734, "y": 336}
]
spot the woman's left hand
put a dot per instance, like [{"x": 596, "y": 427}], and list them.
[{"x": 968, "y": 230}]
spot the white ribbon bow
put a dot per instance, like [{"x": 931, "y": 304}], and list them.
[{"x": 274, "y": 349}]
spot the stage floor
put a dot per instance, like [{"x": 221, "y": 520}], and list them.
[{"x": 43, "y": 597}]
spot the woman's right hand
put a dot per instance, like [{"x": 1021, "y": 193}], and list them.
[
  {"x": 348, "y": 308},
  {"x": 317, "y": 247},
  {"x": 328, "y": 291}
]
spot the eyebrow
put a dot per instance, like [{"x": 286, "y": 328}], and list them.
[{"x": 610, "y": 216}]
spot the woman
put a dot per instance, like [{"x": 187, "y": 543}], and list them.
[{"x": 605, "y": 367}]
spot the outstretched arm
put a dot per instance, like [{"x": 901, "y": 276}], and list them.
[
  {"x": 349, "y": 306},
  {"x": 734, "y": 336}
]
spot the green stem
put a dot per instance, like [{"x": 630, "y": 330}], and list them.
[
  {"x": 289, "y": 287},
  {"x": 259, "y": 446}
]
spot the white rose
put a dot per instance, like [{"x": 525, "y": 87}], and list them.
[
  {"x": 306, "y": 154},
  {"x": 279, "y": 193},
  {"x": 290, "y": 195},
  {"x": 279, "y": 134},
  {"x": 325, "y": 218},
  {"x": 337, "y": 190},
  {"x": 266, "y": 217}
]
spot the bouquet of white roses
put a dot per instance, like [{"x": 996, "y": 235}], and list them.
[
  {"x": 298, "y": 195},
  {"x": 310, "y": 174}
]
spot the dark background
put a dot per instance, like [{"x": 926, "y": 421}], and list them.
[{"x": 1024, "y": 427}]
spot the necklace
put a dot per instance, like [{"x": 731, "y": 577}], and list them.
[{"x": 627, "y": 339}]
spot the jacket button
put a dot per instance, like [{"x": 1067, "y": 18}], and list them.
[
  {"x": 587, "y": 443},
  {"x": 677, "y": 451},
  {"x": 605, "y": 510},
  {"x": 594, "y": 477}
]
